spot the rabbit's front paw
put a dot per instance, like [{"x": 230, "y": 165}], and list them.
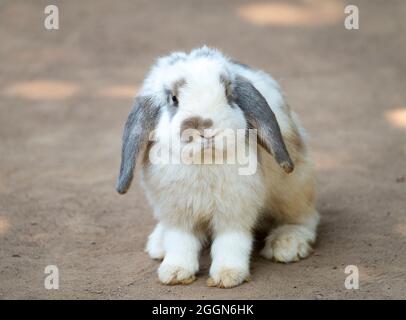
[
  {"x": 227, "y": 278},
  {"x": 171, "y": 275}
]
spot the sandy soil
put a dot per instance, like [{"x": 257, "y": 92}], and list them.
[{"x": 65, "y": 94}]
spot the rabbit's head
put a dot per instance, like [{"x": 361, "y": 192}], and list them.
[{"x": 198, "y": 102}]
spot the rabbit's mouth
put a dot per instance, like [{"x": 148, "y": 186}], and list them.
[
  {"x": 200, "y": 142},
  {"x": 207, "y": 143}
]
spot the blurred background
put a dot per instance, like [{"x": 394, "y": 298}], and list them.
[{"x": 64, "y": 97}]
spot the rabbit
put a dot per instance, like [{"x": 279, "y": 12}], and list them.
[{"x": 196, "y": 203}]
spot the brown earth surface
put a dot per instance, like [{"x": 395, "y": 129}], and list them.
[{"x": 65, "y": 94}]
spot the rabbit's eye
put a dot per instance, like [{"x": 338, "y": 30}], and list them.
[{"x": 175, "y": 100}]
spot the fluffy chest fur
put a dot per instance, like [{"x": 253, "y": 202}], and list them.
[{"x": 189, "y": 195}]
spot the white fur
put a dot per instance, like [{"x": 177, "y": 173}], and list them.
[
  {"x": 194, "y": 201},
  {"x": 181, "y": 257},
  {"x": 155, "y": 244},
  {"x": 231, "y": 253}
]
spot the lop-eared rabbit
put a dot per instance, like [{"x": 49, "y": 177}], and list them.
[{"x": 213, "y": 97}]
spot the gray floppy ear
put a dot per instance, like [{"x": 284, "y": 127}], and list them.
[
  {"x": 140, "y": 122},
  {"x": 261, "y": 117}
]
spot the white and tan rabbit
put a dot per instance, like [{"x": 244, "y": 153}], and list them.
[{"x": 211, "y": 97}]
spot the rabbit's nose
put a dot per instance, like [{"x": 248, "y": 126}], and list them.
[
  {"x": 197, "y": 123},
  {"x": 194, "y": 126}
]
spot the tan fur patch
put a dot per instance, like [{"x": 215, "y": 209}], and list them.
[
  {"x": 228, "y": 279},
  {"x": 145, "y": 158},
  {"x": 175, "y": 281}
]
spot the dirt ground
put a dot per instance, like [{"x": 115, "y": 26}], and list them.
[{"x": 65, "y": 94}]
